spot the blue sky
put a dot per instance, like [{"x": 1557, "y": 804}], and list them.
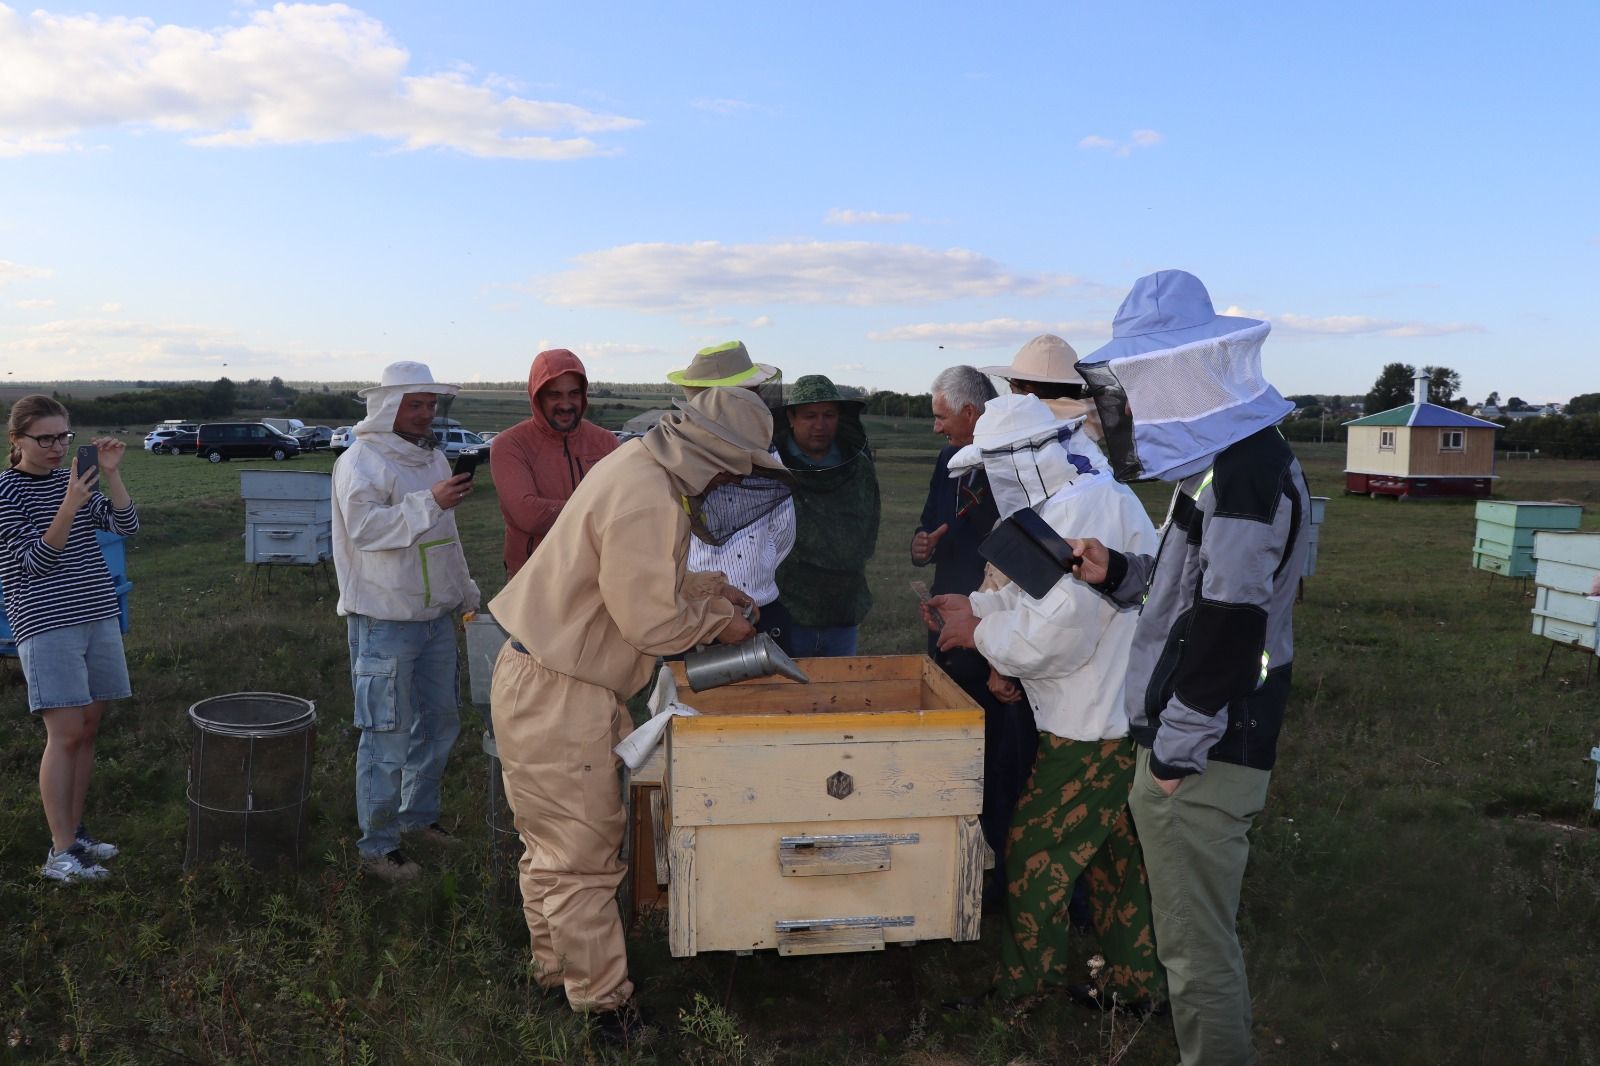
[{"x": 192, "y": 190}]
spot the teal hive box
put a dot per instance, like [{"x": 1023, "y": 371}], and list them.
[{"x": 1504, "y": 541}]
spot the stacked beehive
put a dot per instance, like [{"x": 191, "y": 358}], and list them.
[
  {"x": 1565, "y": 607},
  {"x": 288, "y": 516},
  {"x": 1504, "y": 541},
  {"x": 835, "y": 816}
]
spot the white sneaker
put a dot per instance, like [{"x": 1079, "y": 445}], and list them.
[
  {"x": 95, "y": 849},
  {"x": 72, "y": 865}
]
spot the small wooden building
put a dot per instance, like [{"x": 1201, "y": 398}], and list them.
[{"x": 1420, "y": 449}]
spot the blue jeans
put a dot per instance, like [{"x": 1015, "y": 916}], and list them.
[
  {"x": 810, "y": 641},
  {"x": 406, "y": 693}
]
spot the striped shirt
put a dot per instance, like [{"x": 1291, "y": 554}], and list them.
[
  {"x": 750, "y": 559},
  {"x": 46, "y": 588}
]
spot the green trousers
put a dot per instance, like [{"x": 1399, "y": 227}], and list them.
[
  {"x": 1195, "y": 848},
  {"x": 1073, "y": 819}
]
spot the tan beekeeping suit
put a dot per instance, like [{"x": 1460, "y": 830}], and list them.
[{"x": 602, "y": 596}]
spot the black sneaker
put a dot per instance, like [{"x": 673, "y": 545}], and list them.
[{"x": 391, "y": 867}]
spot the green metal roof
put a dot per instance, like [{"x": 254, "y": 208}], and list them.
[
  {"x": 1394, "y": 416},
  {"x": 1427, "y": 415}
]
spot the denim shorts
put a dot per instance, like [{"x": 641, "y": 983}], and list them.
[{"x": 74, "y": 666}]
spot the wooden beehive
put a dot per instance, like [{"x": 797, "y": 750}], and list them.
[
  {"x": 1568, "y": 565},
  {"x": 1504, "y": 540},
  {"x": 288, "y": 516},
  {"x": 835, "y": 816}
]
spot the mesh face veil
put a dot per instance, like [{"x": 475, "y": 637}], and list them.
[
  {"x": 1168, "y": 412},
  {"x": 1027, "y": 473},
  {"x": 718, "y": 514},
  {"x": 1116, "y": 420}
]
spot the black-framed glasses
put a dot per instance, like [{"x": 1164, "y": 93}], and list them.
[{"x": 49, "y": 440}]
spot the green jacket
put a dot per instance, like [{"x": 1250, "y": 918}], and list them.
[{"x": 823, "y": 580}]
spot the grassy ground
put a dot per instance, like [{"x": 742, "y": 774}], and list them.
[{"x": 1424, "y": 885}]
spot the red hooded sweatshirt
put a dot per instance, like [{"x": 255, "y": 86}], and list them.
[{"x": 535, "y": 468}]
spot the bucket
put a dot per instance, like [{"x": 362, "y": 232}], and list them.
[{"x": 249, "y": 776}]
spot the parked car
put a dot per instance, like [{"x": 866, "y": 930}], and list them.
[
  {"x": 489, "y": 436},
  {"x": 175, "y": 443},
  {"x": 313, "y": 437},
  {"x": 243, "y": 440},
  {"x": 342, "y": 438},
  {"x": 455, "y": 441},
  {"x": 160, "y": 435}
]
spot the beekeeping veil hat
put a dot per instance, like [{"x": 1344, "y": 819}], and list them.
[
  {"x": 1178, "y": 382},
  {"x": 1028, "y": 453},
  {"x": 398, "y": 381},
  {"x": 721, "y": 431},
  {"x": 729, "y": 366}
]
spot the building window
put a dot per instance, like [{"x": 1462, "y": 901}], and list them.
[
  {"x": 1452, "y": 440},
  {"x": 1386, "y": 440}
]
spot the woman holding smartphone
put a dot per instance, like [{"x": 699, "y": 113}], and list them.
[{"x": 62, "y": 604}]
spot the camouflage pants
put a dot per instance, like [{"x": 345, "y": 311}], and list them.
[{"x": 1073, "y": 819}]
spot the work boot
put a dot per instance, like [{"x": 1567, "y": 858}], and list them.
[{"x": 391, "y": 867}]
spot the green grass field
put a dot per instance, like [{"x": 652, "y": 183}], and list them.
[{"x": 1424, "y": 885}]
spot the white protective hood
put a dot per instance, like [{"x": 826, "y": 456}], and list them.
[{"x": 397, "y": 552}]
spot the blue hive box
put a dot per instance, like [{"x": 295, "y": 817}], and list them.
[{"x": 116, "y": 556}]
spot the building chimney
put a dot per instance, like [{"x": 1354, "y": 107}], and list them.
[{"x": 1419, "y": 394}]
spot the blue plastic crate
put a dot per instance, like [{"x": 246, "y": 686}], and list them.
[{"x": 114, "y": 550}]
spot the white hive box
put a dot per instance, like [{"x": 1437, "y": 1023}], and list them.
[
  {"x": 288, "y": 516},
  {"x": 829, "y": 817},
  {"x": 1568, "y": 564}
]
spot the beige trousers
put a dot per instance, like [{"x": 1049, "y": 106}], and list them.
[{"x": 555, "y": 735}]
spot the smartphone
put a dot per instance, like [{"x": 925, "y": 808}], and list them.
[
  {"x": 921, "y": 590},
  {"x": 88, "y": 458},
  {"x": 467, "y": 463}
]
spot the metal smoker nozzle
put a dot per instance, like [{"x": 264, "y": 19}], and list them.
[{"x": 724, "y": 665}]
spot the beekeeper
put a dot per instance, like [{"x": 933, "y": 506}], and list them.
[
  {"x": 402, "y": 576},
  {"x": 1069, "y": 648},
  {"x": 606, "y": 593},
  {"x": 1180, "y": 392}
]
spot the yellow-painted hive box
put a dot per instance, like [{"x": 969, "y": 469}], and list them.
[{"x": 835, "y": 816}]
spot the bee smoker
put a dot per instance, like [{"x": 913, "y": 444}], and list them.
[{"x": 724, "y": 664}]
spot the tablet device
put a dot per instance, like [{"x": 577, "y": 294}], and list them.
[{"x": 1027, "y": 550}]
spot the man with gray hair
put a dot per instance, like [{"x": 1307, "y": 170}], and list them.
[{"x": 958, "y": 514}]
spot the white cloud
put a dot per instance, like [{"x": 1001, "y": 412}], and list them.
[
  {"x": 603, "y": 349},
  {"x": 293, "y": 73},
  {"x": 1354, "y": 325},
  {"x": 35, "y": 305},
  {"x": 850, "y": 368},
  {"x": 840, "y": 216},
  {"x": 993, "y": 333},
  {"x": 1136, "y": 139},
  {"x": 110, "y": 309},
  {"x": 11, "y": 273},
  {"x": 708, "y": 320},
  {"x": 90, "y": 347},
  {"x": 688, "y": 277},
  {"x": 722, "y": 106},
  {"x": 761, "y": 322}
]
